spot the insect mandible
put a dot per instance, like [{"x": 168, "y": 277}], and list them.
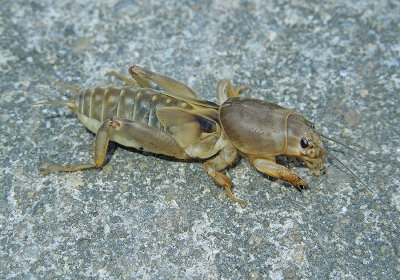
[{"x": 175, "y": 123}]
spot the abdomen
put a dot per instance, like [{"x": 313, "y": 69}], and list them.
[{"x": 95, "y": 106}]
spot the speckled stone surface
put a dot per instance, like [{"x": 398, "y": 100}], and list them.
[{"x": 144, "y": 217}]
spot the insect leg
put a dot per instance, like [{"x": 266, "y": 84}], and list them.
[
  {"x": 213, "y": 167},
  {"x": 226, "y": 90},
  {"x": 170, "y": 85},
  {"x": 128, "y": 81},
  {"x": 270, "y": 167},
  {"x": 152, "y": 139},
  {"x": 101, "y": 144}
]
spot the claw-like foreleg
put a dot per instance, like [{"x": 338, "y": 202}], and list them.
[{"x": 270, "y": 167}]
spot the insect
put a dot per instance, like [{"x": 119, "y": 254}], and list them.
[{"x": 174, "y": 122}]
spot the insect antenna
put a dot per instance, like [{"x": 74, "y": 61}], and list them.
[
  {"x": 347, "y": 168},
  {"x": 343, "y": 144}
]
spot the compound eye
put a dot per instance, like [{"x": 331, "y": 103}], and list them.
[{"x": 303, "y": 143}]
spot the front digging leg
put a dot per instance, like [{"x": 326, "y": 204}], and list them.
[{"x": 270, "y": 167}]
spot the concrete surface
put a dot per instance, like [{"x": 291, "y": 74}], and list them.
[{"x": 144, "y": 217}]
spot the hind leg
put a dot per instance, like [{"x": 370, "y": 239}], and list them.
[
  {"x": 128, "y": 81},
  {"x": 101, "y": 144},
  {"x": 170, "y": 85},
  {"x": 150, "y": 138}
]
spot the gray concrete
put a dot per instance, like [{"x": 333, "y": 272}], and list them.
[{"x": 144, "y": 217}]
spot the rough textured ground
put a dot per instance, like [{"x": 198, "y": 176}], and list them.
[{"x": 144, "y": 217}]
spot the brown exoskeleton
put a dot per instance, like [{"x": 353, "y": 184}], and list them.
[{"x": 176, "y": 123}]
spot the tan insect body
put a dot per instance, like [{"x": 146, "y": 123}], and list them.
[{"x": 177, "y": 124}]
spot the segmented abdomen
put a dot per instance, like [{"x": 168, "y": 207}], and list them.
[{"x": 132, "y": 103}]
